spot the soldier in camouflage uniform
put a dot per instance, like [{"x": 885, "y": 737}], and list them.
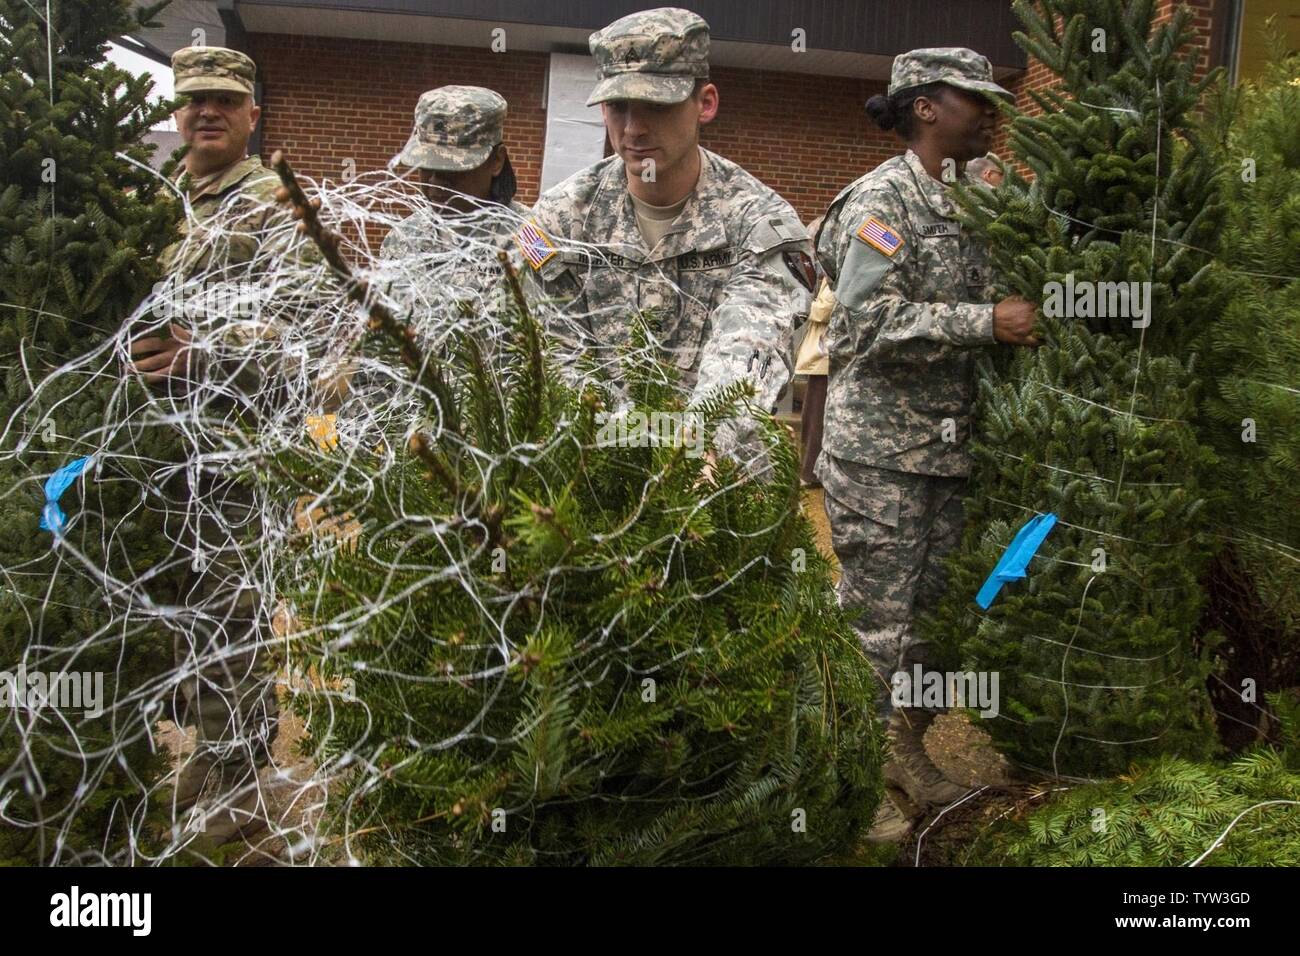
[
  {"x": 226, "y": 687},
  {"x": 716, "y": 260},
  {"x": 915, "y": 302},
  {"x": 457, "y": 146}
]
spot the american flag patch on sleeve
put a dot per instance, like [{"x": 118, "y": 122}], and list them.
[
  {"x": 879, "y": 236},
  {"x": 534, "y": 244}
]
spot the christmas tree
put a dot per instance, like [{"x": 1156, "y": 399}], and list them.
[
  {"x": 1167, "y": 812},
  {"x": 80, "y": 226},
  {"x": 1253, "y": 370},
  {"x": 1096, "y": 650},
  {"x": 544, "y": 629}
]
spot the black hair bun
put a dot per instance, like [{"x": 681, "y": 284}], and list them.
[{"x": 882, "y": 112}]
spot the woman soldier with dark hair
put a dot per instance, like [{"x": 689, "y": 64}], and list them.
[
  {"x": 915, "y": 302},
  {"x": 463, "y": 165}
]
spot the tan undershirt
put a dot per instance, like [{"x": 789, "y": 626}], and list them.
[
  {"x": 200, "y": 185},
  {"x": 655, "y": 221}
]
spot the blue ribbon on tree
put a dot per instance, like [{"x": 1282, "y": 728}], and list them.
[
  {"x": 52, "y": 517},
  {"x": 1011, "y": 566}
]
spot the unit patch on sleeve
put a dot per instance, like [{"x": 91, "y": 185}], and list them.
[{"x": 801, "y": 267}]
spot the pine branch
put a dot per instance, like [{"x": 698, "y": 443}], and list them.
[
  {"x": 381, "y": 318},
  {"x": 358, "y": 289}
]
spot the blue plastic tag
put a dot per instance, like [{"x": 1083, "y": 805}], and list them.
[
  {"x": 1015, "y": 559},
  {"x": 52, "y": 517}
]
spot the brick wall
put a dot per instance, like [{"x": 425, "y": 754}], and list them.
[
  {"x": 326, "y": 100},
  {"x": 805, "y": 136}
]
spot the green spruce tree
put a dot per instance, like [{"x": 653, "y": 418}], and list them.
[
  {"x": 1253, "y": 374},
  {"x": 1097, "y": 650},
  {"x": 1166, "y": 812},
  {"x": 79, "y": 230},
  {"x": 548, "y": 634}
]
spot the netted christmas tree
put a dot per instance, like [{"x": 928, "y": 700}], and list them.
[
  {"x": 79, "y": 228},
  {"x": 1097, "y": 649},
  {"x": 543, "y": 628},
  {"x": 1253, "y": 373}
]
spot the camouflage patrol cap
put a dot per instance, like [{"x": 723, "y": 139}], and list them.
[
  {"x": 456, "y": 129},
  {"x": 954, "y": 65},
  {"x": 202, "y": 68},
  {"x": 654, "y": 55}
]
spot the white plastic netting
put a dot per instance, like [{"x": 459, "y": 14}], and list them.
[{"x": 278, "y": 364}]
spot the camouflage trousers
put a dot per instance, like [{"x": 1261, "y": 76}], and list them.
[
  {"x": 890, "y": 531},
  {"x": 223, "y": 639}
]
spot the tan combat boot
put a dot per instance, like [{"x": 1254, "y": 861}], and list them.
[
  {"x": 910, "y": 768},
  {"x": 893, "y": 820},
  {"x": 241, "y": 815},
  {"x": 191, "y": 780},
  {"x": 227, "y": 810}
]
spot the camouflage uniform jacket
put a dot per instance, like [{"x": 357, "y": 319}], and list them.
[
  {"x": 233, "y": 216},
  {"x": 419, "y": 233},
  {"x": 245, "y": 196},
  {"x": 722, "y": 291},
  {"x": 913, "y": 292},
  {"x": 423, "y": 233}
]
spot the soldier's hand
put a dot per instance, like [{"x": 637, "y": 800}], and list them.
[
  {"x": 158, "y": 359},
  {"x": 1013, "y": 322}
]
